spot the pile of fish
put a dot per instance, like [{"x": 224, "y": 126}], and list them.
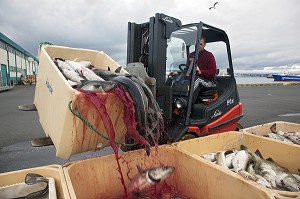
[
  {"x": 82, "y": 75},
  {"x": 288, "y": 137},
  {"x": 76, "y": 72},
  {"x": 254, "y": 167}
]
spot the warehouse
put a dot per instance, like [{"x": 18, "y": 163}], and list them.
[{"x": 17, "y": 65}]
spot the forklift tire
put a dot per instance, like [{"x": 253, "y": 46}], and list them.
[
  {"x": 238, "y": 127},
  {"x": 187, "y": 136}
]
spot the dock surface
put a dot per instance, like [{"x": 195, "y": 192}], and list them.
[{"x": 261, "y": 104}]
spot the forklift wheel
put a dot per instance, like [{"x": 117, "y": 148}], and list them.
[
  {"x": 187, "y": 136},
  {"x": 238, "y": 127}
]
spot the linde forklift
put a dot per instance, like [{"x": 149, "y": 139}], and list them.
[{"x": 161, "y": 46}]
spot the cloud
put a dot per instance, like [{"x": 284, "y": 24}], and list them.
[{"x": 262, "y": 33}]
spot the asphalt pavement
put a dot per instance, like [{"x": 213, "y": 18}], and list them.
[
  {"x": 264, "y": 104},
  {"x": 15, "y": 125},
  {"x": 261, "y": 104}
]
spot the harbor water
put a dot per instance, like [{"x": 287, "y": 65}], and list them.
[{"x": 254, "y": 80}]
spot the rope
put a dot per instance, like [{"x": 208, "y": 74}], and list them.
[
  {"x": 78, "y": 114},
  {"x": 45, "y": 43}
]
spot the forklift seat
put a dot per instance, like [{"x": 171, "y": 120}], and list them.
[
  {"x": 138, "y": 69},
  {"x": 208, "y": 93}
]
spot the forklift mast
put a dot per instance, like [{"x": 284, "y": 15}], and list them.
[{"x": 147, "y": 43}]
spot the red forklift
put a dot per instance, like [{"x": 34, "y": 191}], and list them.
[{"x": 161, "y": 46}]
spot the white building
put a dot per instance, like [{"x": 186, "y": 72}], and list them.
[{"x": 15, "y": 62}]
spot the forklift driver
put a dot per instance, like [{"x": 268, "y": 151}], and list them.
[{"x": 206, "y": 70}]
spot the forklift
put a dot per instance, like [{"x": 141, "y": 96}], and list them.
[{"x": 160, "y": 47}]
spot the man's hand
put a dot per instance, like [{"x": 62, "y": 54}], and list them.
[
  {"x": 173, "y": 74},
  {"x": 198, "y": 71}
]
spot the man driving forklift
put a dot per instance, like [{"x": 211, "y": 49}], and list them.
[{"x": 206, "y": 70}]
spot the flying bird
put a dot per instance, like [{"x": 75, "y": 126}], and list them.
[{"x": 214, "y": 6}]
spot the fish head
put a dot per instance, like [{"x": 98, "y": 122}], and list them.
[
  {"x": 294, "y": 139},
  {"x": 160, "y": 173},
  {"x": 146, "y": 178}
]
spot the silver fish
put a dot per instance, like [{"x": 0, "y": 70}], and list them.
[
  {"x": 277, "y": 176},
  {"x": 72, "y": 75},
  {"x": 75, "y": 65},
  {"x": 89, "y": 74},
  {"x": 229, "y": 157},
  {"x": 259, "y": 179},
  {"x": 63, "y": 65},
  {"x": 278, "y": 137},
  {"x": 210, "y": 156},
  {"x": 147, "y": 178},
  {"x": 240, "y": 160},
  {"x": 293, "y": 136}
]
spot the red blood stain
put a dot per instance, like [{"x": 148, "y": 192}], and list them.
[{"x": 160, "y": 191}]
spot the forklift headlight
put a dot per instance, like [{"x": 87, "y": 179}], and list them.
[{"x": 180, "y": 103}]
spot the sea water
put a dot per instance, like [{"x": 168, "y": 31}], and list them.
[{"x": 254, "y": 80}]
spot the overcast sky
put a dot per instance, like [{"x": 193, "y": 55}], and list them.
[{"x": 264, "y": 34}]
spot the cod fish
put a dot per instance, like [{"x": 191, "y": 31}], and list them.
[
  {"x": 279, "y": 137},
  {"x": 259, "y": 179},
  {"x": 292, "y": 137},
  {"x": 277, "y": 176},
  {"x": 240, "y": 162},
  {"x": 149, "y": 177}
]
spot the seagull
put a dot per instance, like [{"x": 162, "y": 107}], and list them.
[{"x": 214, "y": 7}]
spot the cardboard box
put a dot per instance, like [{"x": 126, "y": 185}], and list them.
[
  {"x": 53, "y": 94},
  {"x": 283, "y": 154}
]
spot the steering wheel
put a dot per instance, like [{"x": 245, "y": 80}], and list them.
[{"x": 183, "y": 69}]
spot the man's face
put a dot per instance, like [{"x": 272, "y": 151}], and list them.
[{"x": 202, "y": 45}]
